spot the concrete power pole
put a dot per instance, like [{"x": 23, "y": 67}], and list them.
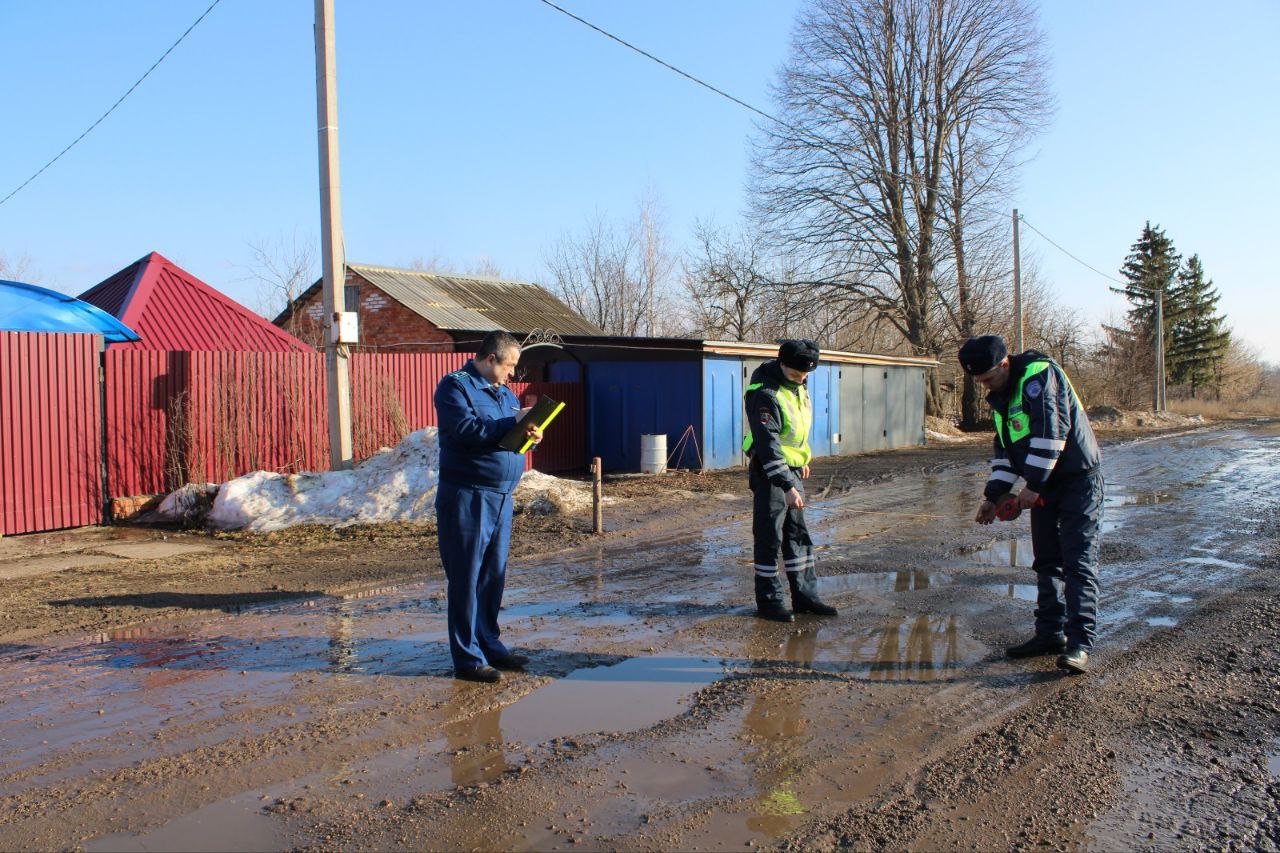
[
  {"x": 1159, "y": 394},
  {"x": 335, "y": 353},
  {"x": 1017, "y": 288}
]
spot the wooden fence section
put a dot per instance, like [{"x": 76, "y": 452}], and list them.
[
  {"x": 179, "y": 417},
  {"x": 50, "y": 431}
]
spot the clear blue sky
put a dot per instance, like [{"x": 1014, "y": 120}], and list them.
[{"x": 489, "y": 128}]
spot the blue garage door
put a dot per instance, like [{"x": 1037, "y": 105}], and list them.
[
  {"x": 820, "y": 396},
  {"x": 722, "y": 423},
  {"x": 630, "y": 399}
]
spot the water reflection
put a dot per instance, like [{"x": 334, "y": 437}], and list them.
[
  {"x": 476, "y": 745},
  {"x": 900, "y": 581},
  {"x": 923, "y": 647},
  {"x": 342, "y": 640},
  {"x": 1012, "y": 552},
  {"x": 926, "y": 637},
  {"x": 774, "y": 727}
]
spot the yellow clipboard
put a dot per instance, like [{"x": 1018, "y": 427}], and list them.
[{"x": 543, "y": 413}]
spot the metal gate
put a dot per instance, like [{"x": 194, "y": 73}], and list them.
[{"x": 50, "y": 431}]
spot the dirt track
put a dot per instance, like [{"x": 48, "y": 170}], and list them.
[{"x": 657, "y": 712}]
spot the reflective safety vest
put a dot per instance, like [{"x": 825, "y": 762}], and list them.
[
  {"x": 1019, "y": 423},
  {"x": 797, "y": 420}
]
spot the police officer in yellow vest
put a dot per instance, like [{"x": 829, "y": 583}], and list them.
[
  {"x": 779, "y": 416},
  {"x": 1043, "y": 436}
]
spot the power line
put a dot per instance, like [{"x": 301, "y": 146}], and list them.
[
  {"x": 666, "y": 65},
  {"x": 1024, "y": 221},
  {"x": 776, "y": 120},
  {"x": 113, "y": 106}
]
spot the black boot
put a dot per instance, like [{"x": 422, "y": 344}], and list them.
[
  {"x": 1075, "y": 661},
  {"x": 769, "y": 603},
  {"x": 804, "y": 593},
  {"x": 1038, "y": 645}
]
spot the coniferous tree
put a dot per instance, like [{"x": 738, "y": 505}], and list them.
[
  {"x": 1197, "y": 340},
  {"x": 1152, "y": 266}
]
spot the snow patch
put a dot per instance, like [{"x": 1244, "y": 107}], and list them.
[
  {"x": 188, "y": 506},
  {"x": 395, "y": 484}
]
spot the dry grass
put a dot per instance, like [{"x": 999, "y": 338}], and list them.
[
  {"x": 1222, "y": 410},
  {"x": 383, "y": 423}
]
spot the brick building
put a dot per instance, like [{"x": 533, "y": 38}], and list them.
[{"x": 414, "y": 311}]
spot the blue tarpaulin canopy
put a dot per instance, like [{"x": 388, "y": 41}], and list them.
[{"x": 27, "y": 308}]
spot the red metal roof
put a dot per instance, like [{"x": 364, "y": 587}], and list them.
[{"x": 173, "y": 310}]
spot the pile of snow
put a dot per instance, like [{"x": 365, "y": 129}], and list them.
[
  {"x": 188, "y": 506},
  {"x": 395, "y": 484},
  {"x": 542, "y": 494}
]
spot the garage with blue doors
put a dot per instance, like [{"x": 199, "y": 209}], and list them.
[{"x": 692, "y": 390}]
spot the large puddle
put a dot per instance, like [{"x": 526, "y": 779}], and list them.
[
  {"x": 622, "y": 638},
  {"x": 628, "y": 696}
]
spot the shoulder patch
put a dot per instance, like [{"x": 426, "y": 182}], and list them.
[{"x": 1034, "y": 387}]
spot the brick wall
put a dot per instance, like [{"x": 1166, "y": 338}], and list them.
[{"x": 385, "y": 325}]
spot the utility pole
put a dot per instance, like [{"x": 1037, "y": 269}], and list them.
[
  {"x": 335, "y": 353},
  {"x": 1017, "y": 288},
  {"x": 1159, "y": 393}
]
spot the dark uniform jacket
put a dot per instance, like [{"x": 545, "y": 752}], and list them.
[
  {"x": 765, "y": 418},
  {"x": 473, "y": 416},
  {"x": 1060, "y": 443}
]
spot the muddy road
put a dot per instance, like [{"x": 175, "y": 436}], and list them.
[{"x": 658, "y": 714}]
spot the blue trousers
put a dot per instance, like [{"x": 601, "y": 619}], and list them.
[
  {"x": 474, "y": 530},
  {"x": 1064, "y": 539}
]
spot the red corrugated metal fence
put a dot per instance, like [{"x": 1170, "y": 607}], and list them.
[
  {"x": 391, "y": 395},
  {"x": 191, "y": 417},
  {"x": 563, "y": 446},
  {"x": 50, "y": 431},
  {"x": 179, "y": 417},
  {"x": 255, "y": 411}
]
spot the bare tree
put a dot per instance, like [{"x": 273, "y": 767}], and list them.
[
  {"x": 727, "y": 286},
  {"x": 17, "y": 269},
  {"x": 283, "y": 268},
  {"x": 618, "y": 277},
  {"x": 857, "y": 177},
  {"x": 482, "y": 266}
]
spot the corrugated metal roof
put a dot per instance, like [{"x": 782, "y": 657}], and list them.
[
  {"x": 763, "y": 350},
  {"x": 112, "y": 294},
  {"x": 469, "y": 303},
  {"x": 171, "y": 309}
]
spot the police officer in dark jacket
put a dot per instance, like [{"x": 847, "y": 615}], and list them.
[
  {"x": 780, "y": 416},
  {"x": 1043, "y": 436},
  {"x": 475, "y": 410}
]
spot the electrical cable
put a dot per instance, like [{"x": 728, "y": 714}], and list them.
[
  {"x": 113, "y": 106},
  {"x": 1053, "y": 243},
  {"x": 666, "y": 64}
]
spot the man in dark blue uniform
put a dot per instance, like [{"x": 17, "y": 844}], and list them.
[
  {"x": 475, "y": 409},
  {"x": 1043, "y": 436},
  {"x": 780, "y": 416}
]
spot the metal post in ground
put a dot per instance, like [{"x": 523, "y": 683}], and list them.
[{"x": 597, "y": 497}]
